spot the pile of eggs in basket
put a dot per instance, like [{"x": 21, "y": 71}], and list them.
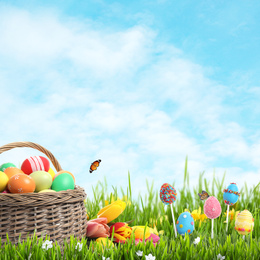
[{"x": 35, "y": 175}]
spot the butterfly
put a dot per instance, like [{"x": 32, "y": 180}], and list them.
[
  {"x": 94, "y": 165},
  {"x": 203, "y": 195}
]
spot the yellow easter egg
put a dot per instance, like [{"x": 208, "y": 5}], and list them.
[
  {"x": 104, "y": 241},
  {"x": 51, "y": 172},
  {"x": 3, "y": 181},
  {"x": 244, "y": 223},
  {"x": 46, "y": 190}
]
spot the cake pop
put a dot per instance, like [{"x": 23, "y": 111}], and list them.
[
  {"x": 168, "y": 196},
  {"x": 212, "y": 209},
  {"x": 230, "y": 196},
  {"x": 185, "y": 223},
  {"x": 244, "y": 223}
]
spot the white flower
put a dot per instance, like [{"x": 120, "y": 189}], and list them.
[
  {"x": 79, "y": 246},
  {"x": 30, "y": 255},
  {"x": 149, "y": 257},
  {"x": 196, "y": 241},
  {"x": 139, "y": 253},
  {"x": 47, "y": 244},
  {"x": 103, "y": 258},
  {"x": 219, "y": 256}
]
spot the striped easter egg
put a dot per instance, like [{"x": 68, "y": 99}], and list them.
[{"x": 35, "y": 163}]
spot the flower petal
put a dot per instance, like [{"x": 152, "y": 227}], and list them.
[
  {"x": 99, "y": 220},
  {"x": 154, "y": 237},
  {"x": 117, "y": 226},
  {"x": 101, "y": 232},
  {"x": 91, "y": 229},
  {"x": 112, "y": 211},
  {"x": 119, "y": 238},
  {"x": 119, "y": 203},
  {"x": 139, "y": 232}
]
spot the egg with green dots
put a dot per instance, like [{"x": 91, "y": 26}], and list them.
[{"x": 185, "y": 223}]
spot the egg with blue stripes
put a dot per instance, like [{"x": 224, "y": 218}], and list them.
[{"x": 185, "y": 223}]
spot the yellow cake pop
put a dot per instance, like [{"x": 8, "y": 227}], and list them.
[{"x": 244, "y": 223}]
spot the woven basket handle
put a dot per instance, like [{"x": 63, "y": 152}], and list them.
[{"x": 35, "y": 146}]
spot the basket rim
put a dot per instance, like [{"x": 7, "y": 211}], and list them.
[
  {"x": 44, "y": 194},
  {"x": 42, "y": 199}
]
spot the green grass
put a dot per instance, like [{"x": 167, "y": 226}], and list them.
[{"x": 147, "y": 210}]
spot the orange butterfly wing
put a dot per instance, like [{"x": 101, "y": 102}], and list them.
[
  {"x": 94, "y": 165},
  {"x": 203, "y": 195}
]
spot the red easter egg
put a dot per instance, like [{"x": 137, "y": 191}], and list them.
[{"x": 35, "y": 163}]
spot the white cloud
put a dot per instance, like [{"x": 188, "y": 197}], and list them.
[
  {"x": 42, "y": 39},
  {"x": 86, "y": 93}
]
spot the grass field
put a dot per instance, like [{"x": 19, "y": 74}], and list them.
[{"x": 150, "y": 211}]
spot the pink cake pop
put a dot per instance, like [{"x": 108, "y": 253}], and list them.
[{"x": 212, "y": 208}]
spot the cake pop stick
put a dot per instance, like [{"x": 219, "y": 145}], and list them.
[
  {"x": 212, "y": 228},
  {"x": 230, "y": 196},
  {"x": 173, "y": 222},
  {"x": 212, "y": 209},
  {"x": 227, "y": 217},
  {"x": 168, "y": 196}
]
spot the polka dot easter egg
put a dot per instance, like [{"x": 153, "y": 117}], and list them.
[
  {"x": 185, "y": 223},
  {"x": 167, "y": 194},
  {"x": 212, "y": 207},
  {"x": 231, "y": 194},
  {"x": 35, "y": 163}
]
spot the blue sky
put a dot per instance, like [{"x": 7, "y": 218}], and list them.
[{"x": 140, "y": 85}]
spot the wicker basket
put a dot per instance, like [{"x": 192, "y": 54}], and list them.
[{"x": 56, "y": 214}]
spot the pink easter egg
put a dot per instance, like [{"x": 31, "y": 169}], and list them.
[
  {"x": 6, "y": 191},
  {"x": 212, "y": 208}
]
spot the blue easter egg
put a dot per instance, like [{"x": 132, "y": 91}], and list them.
[
  {"x": 231, "y": 194},
  {"x": 185, "y": 223}
]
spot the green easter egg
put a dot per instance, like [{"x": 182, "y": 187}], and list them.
[
  {"x": 5, "y": 166},
  {"x": 63, "y": 181},
  {"x": 42, "y": 179}
]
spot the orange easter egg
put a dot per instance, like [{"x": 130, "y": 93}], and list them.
[
  {"x": 60, "y": 172},
  {"x": 21, "y": 183},
  {"x": 11, "y": 171}
]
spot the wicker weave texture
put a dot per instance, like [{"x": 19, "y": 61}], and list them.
[
  {"x": 60, "y": 219},
  {"x": 56, "y": 214}
]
